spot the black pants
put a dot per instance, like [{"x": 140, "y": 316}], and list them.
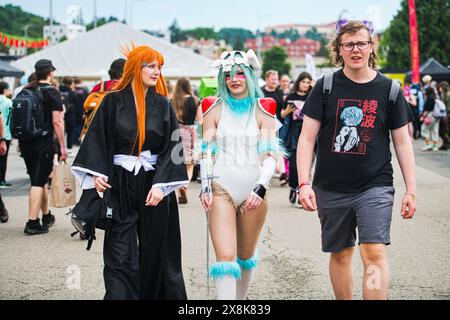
[
  {"x": 142, "y": 248},
  {"x": 70, "y": 131},
  {"x": 293, "y": 174},
  {"x": 416, "y": 122},
  {"x": 4, "y": 161}
]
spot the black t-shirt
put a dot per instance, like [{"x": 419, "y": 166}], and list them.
[
  {"x": 353, "y": 143},
  {"x": 277, "y": 95},
  {"x": 52, "y": 102},
  {"x": 190, "y": 111},
  {"x": 295, "y": 119}
]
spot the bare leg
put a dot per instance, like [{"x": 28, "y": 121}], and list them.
[
  {"x": 35, "y": 202},
  {"x": 376, "y": 271},
  {"x": 341, "y": 274},
  {"x": 44, "y": 204},
  {"x": 222, "y": 226},
  {"x": 249, "y": 226}
]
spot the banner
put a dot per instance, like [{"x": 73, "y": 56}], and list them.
[
  {"x": 310, "y": 65},
  {"x": 18, "y": 42},
  {"x": 414, "y": 42}
]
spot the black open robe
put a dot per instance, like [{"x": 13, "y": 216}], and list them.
[{"x": 142, "y": 248}]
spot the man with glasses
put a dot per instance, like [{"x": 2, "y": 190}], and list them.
[{"x": 353, "y": 113}]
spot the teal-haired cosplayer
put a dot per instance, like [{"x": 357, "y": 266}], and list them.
[{"x": 243, "y": 142}]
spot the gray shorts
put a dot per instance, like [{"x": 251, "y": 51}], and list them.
[{"x": 340, "y": 214}]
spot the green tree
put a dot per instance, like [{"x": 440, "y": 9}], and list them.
[
  {"x": 13, "y": 20},
  {"x": 201, "y": 33},
  {"x": 434, "y": 38},
  {"x": 313, "y": 34},
  {"x": 231, "y": 35},
  {"x": 176, "y": 34},
  {"x": 276, "y": 59},
  {"x": 239, "y": 44},
  {"x": 101, "y": 21}
]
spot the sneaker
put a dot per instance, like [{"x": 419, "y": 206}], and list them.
[
  {"x": 4, "y": 184},
  {"x": 4, "y": 216},
  {"x": 35, "y": 227},
  {"x": 427, "y": 147},
  {"x": 293, "y": 196},
  {"x": 48, "y": 220},
  {"x": 283, "y": 179},
  {"x": 435, "y": 147}
]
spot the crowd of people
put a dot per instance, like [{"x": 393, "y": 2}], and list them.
[{"x": 131, "y": 155}]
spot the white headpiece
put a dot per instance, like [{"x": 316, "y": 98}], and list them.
[{"x": 229, "y": 58}]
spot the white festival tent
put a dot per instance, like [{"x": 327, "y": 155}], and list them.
[{"x": 89, "y": 56}]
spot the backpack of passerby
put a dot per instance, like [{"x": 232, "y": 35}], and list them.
[
  {"x": 97, "y": 94},
  {"x": 439, "y": 110},
  {"x": 27, "y": 117}
]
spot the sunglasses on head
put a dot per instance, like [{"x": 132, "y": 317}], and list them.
[{"x": 343, "y": 22}]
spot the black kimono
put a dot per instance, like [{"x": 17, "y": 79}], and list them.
[{"x": 142, "y": 247}]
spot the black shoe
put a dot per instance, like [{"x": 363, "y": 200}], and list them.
[
  {"x": 82, "y": 237},
  {"x": 4, "y": 216},
  {"x": 293, "y": 196},
  {"x": 35, "y": 227},
  {"x": 283, "y": 179},
  {"x": 48, "y": 220}
]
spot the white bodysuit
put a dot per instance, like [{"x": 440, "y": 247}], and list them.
[{"x": 237, "y": 166}]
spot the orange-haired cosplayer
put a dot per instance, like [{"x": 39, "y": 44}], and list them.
[{"x": 132, "y": 153}]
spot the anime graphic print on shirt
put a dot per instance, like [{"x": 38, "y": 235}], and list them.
[{"x": 355, "y": 123}]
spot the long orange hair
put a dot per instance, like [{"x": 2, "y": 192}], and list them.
[{"x": 132, "y": 76}]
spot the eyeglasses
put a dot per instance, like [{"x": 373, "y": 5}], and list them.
[
  {"x": 362, "y": 45},
  {"x": 238, "y": 75}
]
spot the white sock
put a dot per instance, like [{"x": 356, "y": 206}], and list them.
[
  {"x": 243, "y": 284},
  {"x": 226, "y": 288}
]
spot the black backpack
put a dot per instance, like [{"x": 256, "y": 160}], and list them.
[
  {"x": 328, "y": 86},
  {"x": 27, "y": 115}
]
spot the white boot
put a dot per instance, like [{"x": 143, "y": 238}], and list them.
[
  {"x": 225, "y": 273},
  {"x": 248, "y": 268}
]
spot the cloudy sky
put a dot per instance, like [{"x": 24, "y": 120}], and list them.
[{"x": 250, "y": 14}]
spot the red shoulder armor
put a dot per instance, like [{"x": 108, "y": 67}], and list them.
[
  {"x": 268, "y": 106},
  {"x": 208, "y": 103}
]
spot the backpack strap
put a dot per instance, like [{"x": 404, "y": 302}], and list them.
[
  {"x": 393, "y": 92},
  {"x": 327, "y": 87},
  {"x": 102, "y": 86}
]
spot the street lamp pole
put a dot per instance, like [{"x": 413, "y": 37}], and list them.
[
  {"x": 95, "y": 14},
  {"x": 25, "y": 30},
  {"x": 51, "y": 22}
]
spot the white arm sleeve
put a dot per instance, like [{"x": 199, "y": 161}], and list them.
[{"x": 269, "y": 165}]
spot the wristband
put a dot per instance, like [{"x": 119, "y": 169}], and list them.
[
  {"x": 303, "y": 184},
  {"x": 260, "y": 191}
]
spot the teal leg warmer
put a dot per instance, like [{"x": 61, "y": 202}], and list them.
[
  {"x": 250, "y": 263},
  {"x": 224, "y": 268}
]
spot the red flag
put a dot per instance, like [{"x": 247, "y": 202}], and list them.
[
  {"x": 414, "y": 42},
  {"x": 11, "y": 42},
  {"x": 16, "y": 43},
  {"x": 5, "y": 40},
  {"x": 24, "y": 43}
]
